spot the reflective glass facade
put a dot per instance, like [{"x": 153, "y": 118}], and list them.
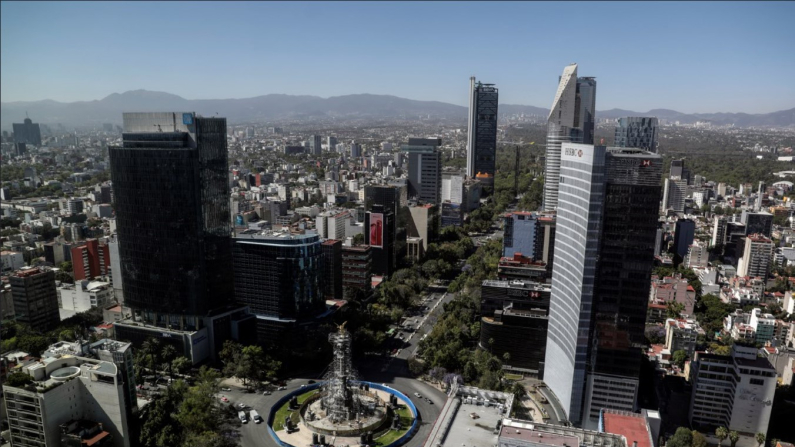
[
  {"x": 637, "y": 132},
  {"x": 482, "y": 144},
  {"x": 626, "y": 258},
  {"x": 172, "y": 213},
  {"x": 279, "y": 277}
]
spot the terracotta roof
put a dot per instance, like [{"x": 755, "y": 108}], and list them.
[{"x": 630, "y": 425}]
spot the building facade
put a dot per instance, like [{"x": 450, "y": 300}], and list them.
[
  {"x": 27, "y": 132},
  {"x": 515, "y": 317},
  {"x": 425, "y": 169},
  {"x": 280, "y": 277},
  {"x": 379, "y": 234},
  {"x": 35, "y": 298},
  {"x": 357, "y": 265},
  {"x": 637, "y": 132},
  {"x": 579, "y": 207},
  {"x": 520, "y": 229},
  {"x": 734, "y": 391},
  {"x": 90, "y": 260},
  {"x": 571, "y": 119},
  {"x": 626, "y": 259},
  {"x": 482, "y": 132},
  {"x": 332, "y": 268}
]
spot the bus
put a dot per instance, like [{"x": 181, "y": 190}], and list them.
[{"x": 242, "y": 416}]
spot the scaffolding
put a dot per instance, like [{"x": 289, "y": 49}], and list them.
[{"x": 340, "y": 401}]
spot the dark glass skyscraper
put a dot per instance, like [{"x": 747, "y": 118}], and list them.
[
  {"x": 27, "y": 132},
  {"x": 171, "y": 189},
  {"x": 637, "y": 132},
  {"x": 571, "y": 119},
  {"x": 482, "y": 137},
  {"x": 279, "y": 276},
  {"x": 626, "y": 258}
]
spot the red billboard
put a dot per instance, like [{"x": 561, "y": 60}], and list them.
[{"x": 376, "y": 230}]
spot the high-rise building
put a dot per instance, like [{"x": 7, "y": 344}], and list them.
[
  {"x": 735, "y": 392},
  {"x": 521, "y": 228},
  {"x": 357, "y": 265},
  {"x": 719, "y": 231},
  {"x": 482, "y": 132},
  {"x": 757, "y": 257},
  {"x": 279, "y": 276},
  {"x": 64, "y": 390},
  {"x": 332, "y": 268},
  {"x": 316, "y": 145},
  {"x": 453, "y": 188},
  {"x": 27, "y": 132},
  {"x": 379, "y": 234},
  {"x": 637, "y": 132},
  {"x": 684, "y": 234},
  {"x": 331, "y": 142},
  {"x": 515, "y": 317},
  {"x": 697, "y": 255},
  {"x": 425, "y": 169},
  {"x": 170, "y": 182},
  {"x": 90, "y": 260},
  {"x": 623, "y": 279},
  {"x": 571, "y": 119},
  {"x": 35, "y": 298},
  {"x": 579, "y": 206},
  {"x": 758, "y": 223},
  {"x": 598, "y": 309}
]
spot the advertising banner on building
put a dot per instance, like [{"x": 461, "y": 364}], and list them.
[{"x": 376, "y": 230}]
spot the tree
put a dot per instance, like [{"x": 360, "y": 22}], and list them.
[
  {"x": 760, "y": 439},
  {"x": 168, "y": 354},
  {"x": 699, "y": 440},
  {"x": 682, "y": 438},
  {"x": 680, "y": 357},
  {"x": 721, "y": 433},
  {"x": 734, "y": 437},
  {"x": 18, "y": 379},
  {"x": 181, "y": 364},
  {"x": 151, "y": 348},
  {"x": 674, "y": 309},
  {"x": 358, "y": 239}
]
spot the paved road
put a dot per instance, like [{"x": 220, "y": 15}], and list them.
[{"x": 389, "y": 370}]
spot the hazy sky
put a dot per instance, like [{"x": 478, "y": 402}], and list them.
[{"x": 691, "y": 57}]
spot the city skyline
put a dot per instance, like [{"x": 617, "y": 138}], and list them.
[{"x": 690, "y": 65}]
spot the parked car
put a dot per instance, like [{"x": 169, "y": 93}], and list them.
[{"x": 226, "y": 389}]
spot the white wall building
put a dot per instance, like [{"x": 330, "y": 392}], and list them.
[
  {"x": 735, "y": 392},
  {"x": 12, "y": 260},
  {"x": 67, "y": 388}
]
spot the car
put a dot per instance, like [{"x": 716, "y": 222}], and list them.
[
  {"x": 266, "y": 393},
  {"x": 302, "y": 386},
  {"x": 241, "y": 405},
  {"x": 224, "y": 399},
  {"x": 310, "y": 381},
  {"x": 429, "y": 401},
  {"x": 226, "y": 389},
  {"x": 418, "y": 395},
  {"x": 281, "y": 388}
]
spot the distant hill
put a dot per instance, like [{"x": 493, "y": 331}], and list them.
[{"x": 277, "y": 106}]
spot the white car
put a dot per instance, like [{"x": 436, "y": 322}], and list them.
[
  {"x": 266, "y": 393},
  {"x": 418, "y": 395}
]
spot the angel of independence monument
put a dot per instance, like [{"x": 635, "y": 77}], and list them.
[{"x": 345, "y": 406}]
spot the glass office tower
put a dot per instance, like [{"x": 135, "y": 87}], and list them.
[
  {"x": 280, "y": 278},
  {"x": 571, "y": 119},
  {"x": 482, "y": 128},
  {"x": 626, "y": 259},
  {"x": 171, "y": 188},
  {"x": 637, "y": 132}
]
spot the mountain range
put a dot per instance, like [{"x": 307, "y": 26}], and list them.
[{"x": 277, "y": 107}]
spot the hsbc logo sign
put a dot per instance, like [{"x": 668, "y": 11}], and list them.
[
  {"x": 645, "y": 163},
  {"x": 573, "y": 152},
  {"x": 534, "y": 294}
]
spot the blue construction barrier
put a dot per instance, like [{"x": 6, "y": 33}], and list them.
[{"x": 400, "y": 441}]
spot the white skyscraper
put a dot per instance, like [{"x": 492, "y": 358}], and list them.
[{"x": 571, "y": 118}]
